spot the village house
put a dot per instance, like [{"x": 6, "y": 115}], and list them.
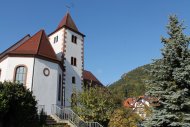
[{"x": 141, "y": 105}]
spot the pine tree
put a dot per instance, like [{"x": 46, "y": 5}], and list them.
[{"x": 171, "y": 80}]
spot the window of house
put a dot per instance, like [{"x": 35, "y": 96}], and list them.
[
  {"x": 73, "y": 80},
  {"x": 74, "y": 39},
  {"x": 55, "y": 39},
  {"x": 73, "y": 61},
  {"x": 20, "y": 75},
  {"x": 59, "y": 88}
]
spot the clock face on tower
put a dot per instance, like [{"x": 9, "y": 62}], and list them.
[{"x": 46, "y": 71}]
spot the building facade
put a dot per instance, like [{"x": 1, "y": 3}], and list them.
[{"x": 51, "y": 66}]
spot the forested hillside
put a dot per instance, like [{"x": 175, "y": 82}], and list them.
[{"x": 131, "y": 84}]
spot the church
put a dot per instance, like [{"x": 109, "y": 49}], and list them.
[{"x": 51, "y": 66}]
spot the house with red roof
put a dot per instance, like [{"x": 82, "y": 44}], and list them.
[
  {"x": 141, "y": 105},
  {"x": 49, "y": 65}
]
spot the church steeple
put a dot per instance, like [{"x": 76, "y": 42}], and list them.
[{"x": 68, "y": 22}]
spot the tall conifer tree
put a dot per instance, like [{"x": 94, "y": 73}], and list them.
[{"x": 171, "y": 80}]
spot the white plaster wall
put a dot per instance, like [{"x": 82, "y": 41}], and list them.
[
  {"x": 58, "y": 45},
  {"x": 8, "y": 68},
  {"x": 3, "y": 67},
  {"x": 73, "y": 50},
  {"x": 45, "y": 88}
]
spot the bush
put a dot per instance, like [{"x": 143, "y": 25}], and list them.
[{"x": 17, "y": 106}]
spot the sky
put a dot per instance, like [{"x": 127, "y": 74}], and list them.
[{"x": 121, "y": 35}]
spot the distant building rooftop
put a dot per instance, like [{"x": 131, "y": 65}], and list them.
[{"x": 90, "y": 80}]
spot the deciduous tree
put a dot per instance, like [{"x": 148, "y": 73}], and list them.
[
  {"x": 95, "y": 104},
  {"x": 124, "y": 117}
]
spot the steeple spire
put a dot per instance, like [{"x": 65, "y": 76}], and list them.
[{"x": 68, "y": 22}]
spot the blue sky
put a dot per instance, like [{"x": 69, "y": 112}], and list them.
[{"x": 120, "y": 34}]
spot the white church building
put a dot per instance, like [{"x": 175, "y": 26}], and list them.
[{"x": 48, "y": 65}]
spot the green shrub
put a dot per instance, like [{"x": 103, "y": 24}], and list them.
[{"x": 17, "y": 106}]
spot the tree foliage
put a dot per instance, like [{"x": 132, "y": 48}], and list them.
[
  {"x": 171, "y": 80},
  {"x": 131, "y": 84},
  {"x": 124, "y": 117},
  {"x": 17, "y": 106},
  {"x": 95, "y": 104}
]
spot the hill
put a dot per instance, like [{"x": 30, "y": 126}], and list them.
[{"x": 131, "y": 84}]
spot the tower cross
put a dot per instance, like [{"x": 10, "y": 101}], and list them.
[{"x": 68, "y": 7}]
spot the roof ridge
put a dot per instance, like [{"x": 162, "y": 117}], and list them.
[
  {"x": 40, "y": 40},
  {"x": 67, "y": 18},
  {"x": 44, "y": 41},
  {"x": 86, "y": 70}
]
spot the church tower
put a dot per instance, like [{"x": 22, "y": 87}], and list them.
[{"x": 68, "y": 44}]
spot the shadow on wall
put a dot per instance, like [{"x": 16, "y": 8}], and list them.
[{"x": 69, "y": 86}]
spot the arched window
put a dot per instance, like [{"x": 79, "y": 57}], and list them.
[
  {"x": 0, "y": 73},
  {"x": 20, "y": 74},
  {"x": 59, "y": 88}
]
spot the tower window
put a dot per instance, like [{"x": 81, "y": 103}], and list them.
[
  {"x": 73, "y": 61},
  {"x": 73, "y": 80},
  {"x": 20, "y": 75},
  {"x": 55, "y": 39},
  {"x": 74, "y": 39}
]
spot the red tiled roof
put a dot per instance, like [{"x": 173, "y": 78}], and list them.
[
  {"x": 68, "y": 22},
  {"x": 129, "y": 103},
  {"x": 17, "y": 44},
  {"x": 36, "y": 45},
  {"x": 87, "y": 75}
]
